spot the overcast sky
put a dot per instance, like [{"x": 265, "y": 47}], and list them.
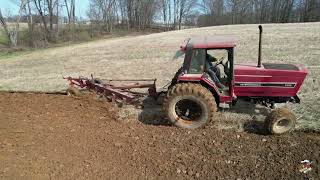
[{"x": 9, "y": 5}]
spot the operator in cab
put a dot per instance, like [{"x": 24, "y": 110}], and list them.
[{"x": 214, "y": 71}]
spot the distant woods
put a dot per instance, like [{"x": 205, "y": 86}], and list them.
[
  {"x": 140, "y": 14},
  {"x": 54, "y": 21},
  {"x": 221, "y": 12}
]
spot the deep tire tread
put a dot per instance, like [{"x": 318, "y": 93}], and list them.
[{"x": 191, "y": 89}]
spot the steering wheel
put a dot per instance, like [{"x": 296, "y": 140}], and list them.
[{"x": 219, "y": 62}]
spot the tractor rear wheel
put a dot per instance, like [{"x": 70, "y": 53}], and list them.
[
  {"x": 280, "y": 121},
  {"x": 189, "y": 105}
]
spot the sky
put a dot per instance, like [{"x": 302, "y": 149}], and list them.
[{"x": 7, "y": 6}]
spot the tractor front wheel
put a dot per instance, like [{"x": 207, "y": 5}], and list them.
[
  {"x": 189, "y": 105},
  {"x": 280, "y": 121}
]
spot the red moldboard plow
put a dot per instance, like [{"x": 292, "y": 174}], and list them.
[{"x": 122, "y": 94}]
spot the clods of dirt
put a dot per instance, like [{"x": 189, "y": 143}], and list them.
[{"x": 60, "y": 137}]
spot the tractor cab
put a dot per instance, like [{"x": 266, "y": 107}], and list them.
[{"x": 209, "y": 60}]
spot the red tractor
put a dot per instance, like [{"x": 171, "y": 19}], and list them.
[
  {"x": 205, "y": 81},
  {"x": 195, "y": 92}
]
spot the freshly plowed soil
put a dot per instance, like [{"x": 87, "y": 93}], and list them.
[{"x": 59, "y": 137}]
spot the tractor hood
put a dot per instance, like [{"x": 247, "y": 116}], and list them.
[
  {"x": 269, "y": 80},
  {"x": 270, "y": 69}
]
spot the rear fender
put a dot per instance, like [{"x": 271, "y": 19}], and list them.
[
  {"x": 190, "y": 78},
  {"x": 214, "y": 89},
  {"x": 198, "y": 78}
]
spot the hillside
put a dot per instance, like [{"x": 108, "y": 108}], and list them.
[{"x": 150, "y": 56}]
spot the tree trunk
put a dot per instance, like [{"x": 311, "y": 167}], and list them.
[
  {"x": 68, "y": 12},
  {"x": 175, "y": 14},
  {"x": 58, "y": 27},
  {"x": 50, "y": 10},
  {"x": 39, "y": 8},
  {"x": 30, "y": 24}
]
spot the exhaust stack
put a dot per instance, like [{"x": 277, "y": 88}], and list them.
[{"x": 260, "y": 44}]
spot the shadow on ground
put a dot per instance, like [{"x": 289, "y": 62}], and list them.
[
  {"x": 152, "y": 114},
  {"x": 258, "y": 113}
]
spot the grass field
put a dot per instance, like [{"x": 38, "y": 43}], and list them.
[{"x": 150, "y": 56}]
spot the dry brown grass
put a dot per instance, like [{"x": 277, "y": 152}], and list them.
[{"x": 150, "y": 56}]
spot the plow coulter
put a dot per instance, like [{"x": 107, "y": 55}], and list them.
[{"x": 114, "y": 90}]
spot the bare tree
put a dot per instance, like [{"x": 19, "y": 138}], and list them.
[
  {"x": 214, "y": 9},
  {"x": 12, "y": 33},
  {"x": 135, "y": 13},
  {"x": 71, "y": 9},
  {"x": 50, "y": 13},
  {"x": 30, "y": 16},
  {"x": 39, "y": 4},
  {"x": 4, "y": 25},
  {"x": 259, "y": 11},
  {"x": 103, "y": 11},
  {"x": 309, "y": 10},
  {"x": 261, "y": 8},
  {"x": 28, "y": 11},
  {"x": 123, "y": 12},
  {"x": 58, "y": 17},
  {"x": 182, "y": 8},
  {"x": 164, "y": 9}
]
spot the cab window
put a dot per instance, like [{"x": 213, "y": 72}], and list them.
[
  {"x": 222, "y": 55},
  {"x": 197, "y": 62}
]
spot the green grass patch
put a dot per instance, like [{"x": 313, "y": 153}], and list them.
[
  {"x": 5, "y": 54},
  {"x": 4, "y": 87},
  {"x": 3, "y": 38}
]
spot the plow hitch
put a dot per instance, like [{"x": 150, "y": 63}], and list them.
[{"x": 115, "y": 90}]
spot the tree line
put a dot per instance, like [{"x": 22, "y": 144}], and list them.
[
  {"x": 219, "y": 12},
  {"x": 173, "y": 14},
  {"x": 140, "y": 14},
  {"x": 53, "y": 20}
]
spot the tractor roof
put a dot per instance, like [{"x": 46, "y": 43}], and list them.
[{"x": 211, "y": 42}]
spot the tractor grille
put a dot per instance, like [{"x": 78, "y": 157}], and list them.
[{"x": 281, "y": 66}]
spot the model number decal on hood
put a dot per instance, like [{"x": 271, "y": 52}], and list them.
[{"x": 259, "y": 84}]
